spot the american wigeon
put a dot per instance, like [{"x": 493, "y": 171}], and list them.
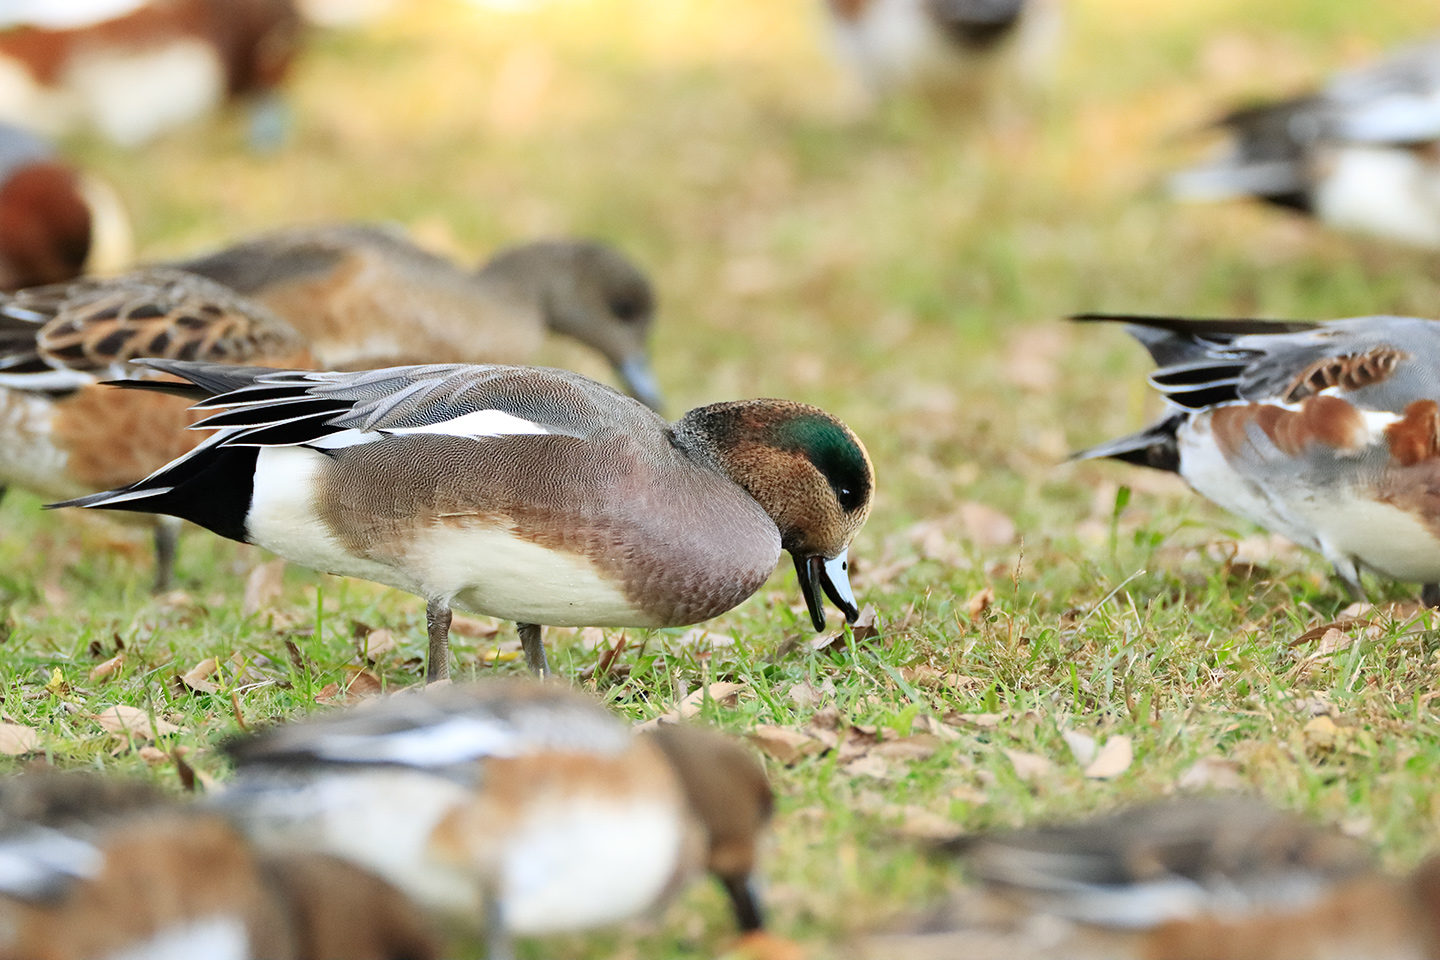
[
  {"x": 92, "y": 869},
  {"x": 54, "y": 221},
  {"x": 133, "y": 69},
  {"x": 1361, "y": 153},
  {"x": 1181, "y": 879},
  {"x": 1327, "y": 433},
  {"x": 522, "y": 806},
  {"x": 365, "y": 296},
  {"x": 64, "y": 434},
  {"x": 527, "y": 493},
  {"x": 951, "y": 50}
]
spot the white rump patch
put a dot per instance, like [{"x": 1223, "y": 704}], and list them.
[
  {"x": 477, "y": 423},
  {"x": 33, "y": 861},
  {"x": 216, "y": 938}
]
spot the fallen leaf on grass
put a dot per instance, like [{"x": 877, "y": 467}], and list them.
[
  {"x": 1082, "y": 746},
  {"x": 124, "y": 720},
  {"x": 197, "y": 678},
  {"x": 868, "y": 765},
  {"x": 108, "y": 669},
  {"x": 17, "y": 740},
  {"x": 361, "y": 684},
  {"x": 723, "y": 692},
  {"x": 784, "y": 745},
  {"x": 1029, "y": 766},
  {"x": 474, "y": 627},
  {"x": 862, "y": 630},
  {"x": 376, "y": 644},
  {"x": 806, "y": 695},
  {"x": 976, "y": 606},
  {"x": 263, "y": 587},
  {"x": 1211, "y": 773},
  {"x": 1113, "y": 759},
  {"x": 985, "y": 526}
]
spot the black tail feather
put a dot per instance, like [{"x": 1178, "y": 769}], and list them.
[{"x": 1156, "y": 447}]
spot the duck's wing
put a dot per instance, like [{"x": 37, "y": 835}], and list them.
[
  {"x": 439, "y": 730},
  {"x": 65, "y": 336}
]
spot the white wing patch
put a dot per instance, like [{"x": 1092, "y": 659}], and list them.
[
  {"x": 31, "y": 862},
  {"x": 216, "y": 938},
  {"x": 477, "y": 423},
  {"x": 453, "y": 740}
]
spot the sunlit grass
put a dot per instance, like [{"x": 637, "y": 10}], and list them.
[{"x": 906, "y": 271}]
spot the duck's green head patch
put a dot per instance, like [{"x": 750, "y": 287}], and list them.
[{"x": 834, "y": 451}]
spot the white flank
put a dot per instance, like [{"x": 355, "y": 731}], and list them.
[
  {"x": 1383, "y": 191},
  {"x": 216, "y": 938},
  {"x": 63, "y": 14},
  {"x": 493, "y": 571},
  {"x": 34, "y": 860},
  {"x": 132, "y": 98},
  {"x": 477, "y": 423},
  {"x": 31, "y": 457},
  {"x": 283, "y": 517},
  {"x": 381, "y": 819},
  {"x": 585, "y": 862}
]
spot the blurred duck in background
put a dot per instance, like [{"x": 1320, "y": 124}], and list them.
[
  {"x": 364, "y": 295},
  {"x": 1326, "y": 433},
  {"x": 1362, "y": 153},
  {"x": 955, "y": 52},
  {"x": 55, "y": 222},
  {"x": 66, "y": 435},
  {"x": 134, "y": 69},
  {"x": 1182, "y": 879},
  {"x": 102, "y": 869},
  {"x": 517, "y": 807}
]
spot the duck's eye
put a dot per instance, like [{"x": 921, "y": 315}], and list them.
[{"x": 627, "y": 309}]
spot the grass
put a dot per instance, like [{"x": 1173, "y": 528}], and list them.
[{"x": 906, "y": 272}]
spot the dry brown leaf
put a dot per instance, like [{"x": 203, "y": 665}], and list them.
[
  {"x": 976, "y": 606},
  {"x": 475, "y": 627},
  {"x": 377, "y": 643},
  {"x": 197, "y": 678},
  {"x": 917, "y": 746},
  {"x": 784, "y": 745},
  {"x": 806, "y": 695},
  {"x": 1322, "y": 630},
  {"x": 1029, "y": 766},
  {"x": 1320, "y": 733},
  {"x": 108, "y": 669},
  {"x": 985, "y": 526},
  {"x": 1113, "y": 759},
  {"x": 869, "y": 765},
  {"x": 127, "y": 721},
  {"x": 1082, "y": 746},
  {"x": 17, "y": 739},
  {"x": 360, "y": 685},
  {"x": 986, "y": 720},
  {"x": 723, "y": 692},
  {"x": 1211, "y": 773},
  {"x": 263, "y": 587}
]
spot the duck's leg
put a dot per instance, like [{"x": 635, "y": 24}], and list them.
[
  {"x": 1430, "y": 594},
  {"x": 534, "y": 649},
  {"x": 437, "y": 626},
  {"x": 498, "y": 945},
  {"x": 1349, "y": 575},
  {"x": 167, "y": 539}
]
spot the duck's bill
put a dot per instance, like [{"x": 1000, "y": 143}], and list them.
[
  {"x": 639, "y": 381},
  {"x": 746, "y": 903},
  {"x": 821, "y": 578}
]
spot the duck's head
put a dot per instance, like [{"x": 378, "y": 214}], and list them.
[
  {"x": 808, "y": 471},
  {"x": 596, "y": 295},
  {"x": 729, "y": 795}
]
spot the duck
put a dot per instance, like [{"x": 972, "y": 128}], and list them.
[
  {"x": 509, "y": 806},
  {"x": 64, "y": 434},
  {"x": 955, "y": 51},
  {"x": 1325, "y": 433},
  {"x": 55, "y": 221},
  {"x": 526, "y": 493},
  {"x": 1185, "y": 878},
  {"x": 98, "y": 868},
  {"x": 132, "y": 70},
  {"x": 1360, "y": 154},
  {"x": 364, "y": 295}
]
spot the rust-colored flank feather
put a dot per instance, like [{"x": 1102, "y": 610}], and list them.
[
  {"x": 1352, "y": 371},
  {"x": 1416, "y": 437},
  {"x": 1325, "y": 420}
]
